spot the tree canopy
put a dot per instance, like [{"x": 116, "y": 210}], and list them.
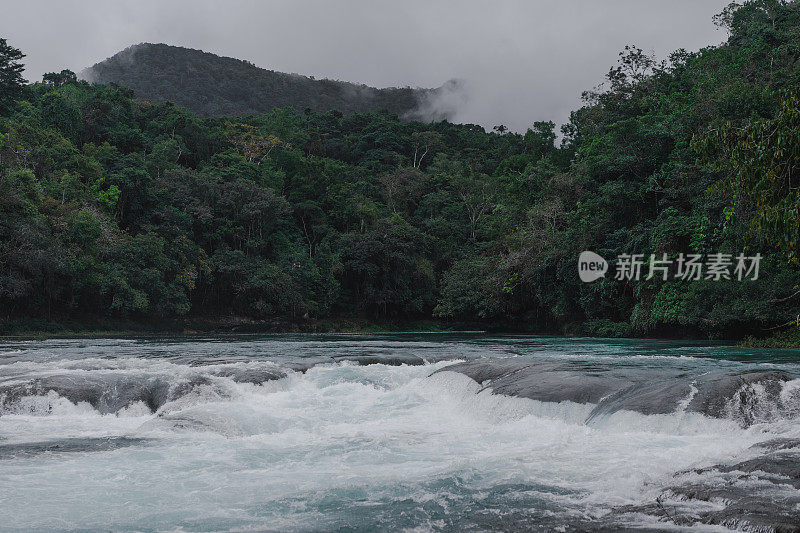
[{"x": 116, "y": 206}]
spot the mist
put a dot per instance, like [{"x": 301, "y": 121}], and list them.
[{"x": 518, "y": 61}]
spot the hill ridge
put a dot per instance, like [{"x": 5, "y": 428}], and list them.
[{"x": 214, "y": 85}]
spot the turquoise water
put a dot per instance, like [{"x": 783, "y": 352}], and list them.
[{"x": 372, "y": 432}]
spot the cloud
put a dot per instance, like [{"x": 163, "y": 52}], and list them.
[{"x": 520, "y": 60}]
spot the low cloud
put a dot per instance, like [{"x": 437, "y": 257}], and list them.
[{"x": 517, "y": 61}]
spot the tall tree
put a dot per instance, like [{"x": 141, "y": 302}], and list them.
[{"x": 11, "y": 80}]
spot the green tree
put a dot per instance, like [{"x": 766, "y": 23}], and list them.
[
  {"x": 760, "y": 162},
  {"x": 11, "y": 80},
  {"x": 59, "y": 79}
]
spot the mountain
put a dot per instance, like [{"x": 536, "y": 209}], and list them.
[{"x": 212, "y": 85}]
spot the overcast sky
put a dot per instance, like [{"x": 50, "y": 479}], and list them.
[{"x": 523, "y": 60}]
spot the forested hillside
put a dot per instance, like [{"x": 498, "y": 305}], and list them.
[
  {"x": 212, "y": 86},
  {"x": 114, "y": 206}
]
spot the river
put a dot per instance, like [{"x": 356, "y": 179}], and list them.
[{"x": 422, "y": 432}]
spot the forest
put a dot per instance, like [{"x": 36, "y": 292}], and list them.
[
  {"x": 214, "y": 86},
  {"x": 115, "y": 207}
]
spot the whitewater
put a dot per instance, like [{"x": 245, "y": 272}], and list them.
[{"x": 437, "y": 432}]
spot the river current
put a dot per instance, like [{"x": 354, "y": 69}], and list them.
[{"x": 417, "y": 432}]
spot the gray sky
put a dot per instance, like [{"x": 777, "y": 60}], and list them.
[{"x": 522, "y": 60}]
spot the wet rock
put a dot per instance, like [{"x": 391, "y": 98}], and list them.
[
  {"x": 660, "y": 397},
  {"x": 748, "y": 397},
  {"x": 778, "y": 444},
  {"x": 256, "y": 376},
  {"x": 484, "y": 370},
  {"x": 71, "y": 445},
  {"x": 394, "y": 360},
  {"x": 715, "y": 393},
  {"x": 758, "y": 494},
  {"x": 106, "y": 394}
]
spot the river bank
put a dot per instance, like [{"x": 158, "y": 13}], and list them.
[
  {"x": 102, "y": 327},
  {"x": 108, "y": 328}
]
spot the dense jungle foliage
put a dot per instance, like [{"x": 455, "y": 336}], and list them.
[{"x": 113, "y": 206}]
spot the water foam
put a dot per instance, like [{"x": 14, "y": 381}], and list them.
[{"x": 387, "y": 443}]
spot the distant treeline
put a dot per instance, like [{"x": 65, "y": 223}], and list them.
[
  {"x": 113, "y": 206},
  {"x": 213, "y": 86}
]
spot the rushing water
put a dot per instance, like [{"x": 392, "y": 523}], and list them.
[{"x": 415, "y": 432}]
